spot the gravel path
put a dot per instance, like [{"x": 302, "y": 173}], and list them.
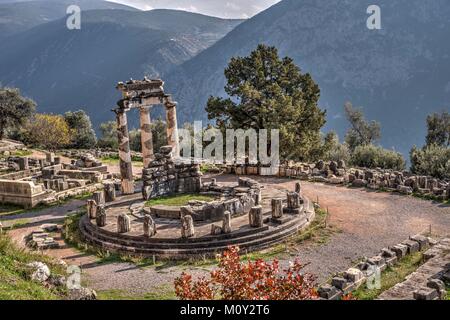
[{"x": 365, "y": 222}]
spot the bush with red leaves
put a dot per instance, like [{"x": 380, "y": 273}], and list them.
[{"x": 259, "y": 280}]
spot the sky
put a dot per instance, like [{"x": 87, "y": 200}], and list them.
[{"x": 235, "y": 9}]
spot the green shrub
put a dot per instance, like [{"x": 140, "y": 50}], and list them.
[
  {"x": 370, "y": 156},
  {"x": 432, "y": 160}
]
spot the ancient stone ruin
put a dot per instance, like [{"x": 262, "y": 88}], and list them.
[{"x": 142, "y": 95}]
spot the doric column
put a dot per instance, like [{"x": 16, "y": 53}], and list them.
[
  {"x": 146, "y": 136},
  {"x": 126, "y": 167},
  {"x": 172, "y": 127}
]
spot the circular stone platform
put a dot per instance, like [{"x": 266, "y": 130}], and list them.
[{"x": 167, "y": 243}]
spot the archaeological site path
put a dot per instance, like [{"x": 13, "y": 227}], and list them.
[{"x": 363, "y": 223}]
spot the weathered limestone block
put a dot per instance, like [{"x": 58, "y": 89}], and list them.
[
  {"x": 426, "y": 294},
  {"x": 99, "y": 197},
  {"x": 50, "y": 157},
  {"x": 100, "y": 218},
  {"x": 400, "y": 250},
  {"x": 422, "y": 241},
  {"x": 258, "y": 197},
  {"x": 293, "y": 200},
  {"x": 91, "y": 208},
  {"x": 256, "y": 217},
  {"x": 226, "y": 222},
  {"x": 23, "y": 163},
  {"x": 215, "y": 230},
  {"x": 389, "y": 256},
  {"x": 147, "y": 192},
  {"x": 110, "y": 192},
  {"x": 341, "y": 164},
  {"x": 123, "y": 223},
  {"x": 359, "y": 183},
  {"x": 439, "y": 286},
  {"x": 149, "y": 226},
  {"x": 413, "y": 246},
  {"x": 187, "y": 227},
  {"x": 277, "y": 208},
  {"x": 186, "y": 211},
  {"x": 329, "y": 292},
  {"x": 342, "y": 284},
  {"x": 404, "y": 190},
  {"x": 378, "y": 261}
]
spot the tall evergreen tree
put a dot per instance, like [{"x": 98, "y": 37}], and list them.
[{"x": 267, "y": 92}]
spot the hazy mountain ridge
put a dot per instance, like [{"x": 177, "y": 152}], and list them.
[
  {"x": 16, "y": 17},
  {"x": 68, "y": 69},
  {"x": 399, "y": 74}
]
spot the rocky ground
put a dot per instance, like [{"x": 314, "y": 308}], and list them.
[{"x": 363, "y": 223}]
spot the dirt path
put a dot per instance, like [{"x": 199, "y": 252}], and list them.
[{"x": 366, "y": 222}]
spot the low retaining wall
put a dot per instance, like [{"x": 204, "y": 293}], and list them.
[{"x": 23, "y": 193}]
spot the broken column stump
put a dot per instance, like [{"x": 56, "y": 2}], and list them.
[
  {"x": 277, "y": 208},
  {"x": 99, "y": 197},
  {"x": 226, "y": 223},
  {"x": 187, "y": 227},
  {"x": 110, "y": 192},
  {"x": 256, "y": 217},
  {"x": 91, "y": 208},
  {"x": 123, "y": 223},
  {"x": 149, "y": 226},
  {"x": 100, "y": 218}
]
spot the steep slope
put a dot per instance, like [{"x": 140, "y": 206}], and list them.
[
  {"x": 16, "y": 17},
  {"x": 398, "y": 74},
  {"x": 66, "y": 69}
]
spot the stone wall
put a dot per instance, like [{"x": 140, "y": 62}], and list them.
[
  {"x": 23, "y": 193},
  {"x": 164, "y": 176},
  {"x": 337, "y": 173}
]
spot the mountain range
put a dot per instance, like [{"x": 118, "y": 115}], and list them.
[
  {"x": 398, "y": 74},
  {"x": 66, "y": 69}
]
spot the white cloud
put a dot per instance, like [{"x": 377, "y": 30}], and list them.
[{"x": 219, "y": 8}]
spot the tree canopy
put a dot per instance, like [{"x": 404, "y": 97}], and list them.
[
  {"x": 83, "y": 135},
  {"x": 267, "y": 92},
  {"x": 14, "y": 109},
  {"x": 438, "y": 129},
  {"x": 361, "y": 132}
]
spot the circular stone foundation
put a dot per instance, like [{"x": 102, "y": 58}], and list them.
[{"x": 168, "y": 241}]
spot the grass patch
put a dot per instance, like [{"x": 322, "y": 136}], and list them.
[
  {"x": 164, "y": 292},
  {"x": 15, "y": 281},
  {"x": 10, "y": 210},
  {"x": 318, "y": 231},
  {"x": 21, "y": 153},
  {"x": 391, "y": 276},
  {"x": 178, "y": 200}
]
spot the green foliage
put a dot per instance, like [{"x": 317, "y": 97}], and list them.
[
  {"x": 432, "y": 160},
  {"x": 361, "y": 132},
  {"x": 178, "y": 200},
  {"x": 438, "y": 129},
  {"x": 391, "y": 277},
  {"x": 15, "y": 282},
  {"x": 108, "y": 139},
  {"x": 370, "y": 156},
  {"x": 83, "y": 135},
  {"x": 14, "y": 109},
  {"x": 333, "y": 150},
  {"x": 266, "y": 92},
  {"x": 48, "y": 131}
]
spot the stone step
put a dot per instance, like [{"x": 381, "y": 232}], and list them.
[
  {"x": 210, "y": 250},
  {"x": 141, "y": 242}
]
